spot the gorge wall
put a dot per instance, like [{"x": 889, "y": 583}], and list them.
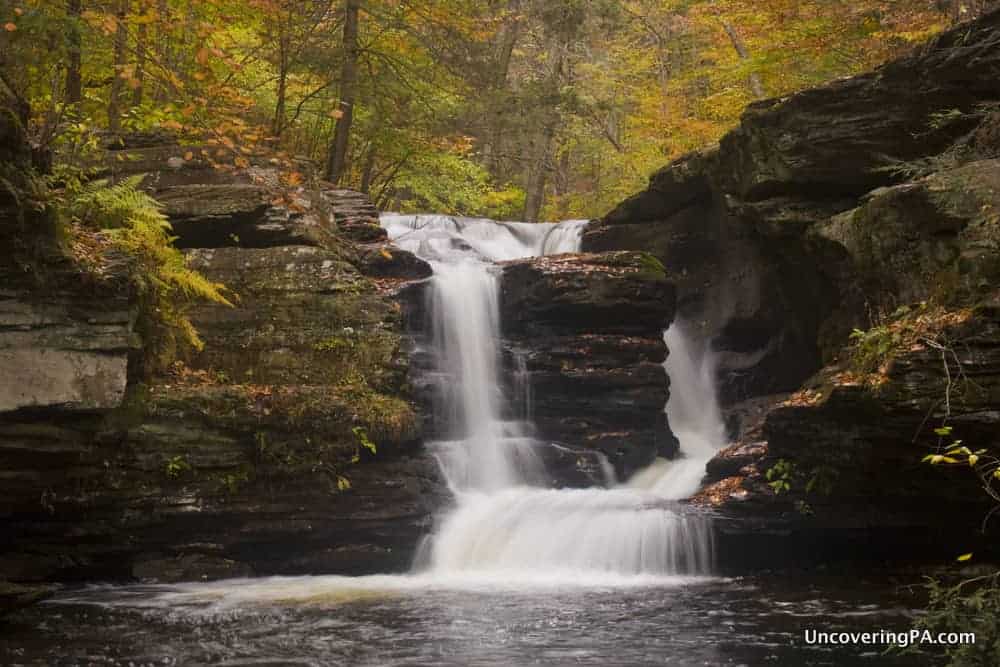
[
  {"x": 246, "y": 458},
  {"x": 823, "y": 213}
]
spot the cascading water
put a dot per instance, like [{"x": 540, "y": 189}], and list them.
[
  {"x": 501, "y": 523},
  {"x": 694, "y": 414}
]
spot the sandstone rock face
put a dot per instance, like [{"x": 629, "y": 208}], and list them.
[
  {"x": 824, "y": 212},
  {"x": 746, "y": 225},
  {"x": 588, "y": 331},
  {"x": 288, "y": 445},
  {"x": 933, "y": 237},
  {"x": 64, "y": 345},
  {"x": 60, "y": 351},
  {"x": 852, "y": 456}
]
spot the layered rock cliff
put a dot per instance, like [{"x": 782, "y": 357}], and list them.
[
  {"x": 589, "y": 332},
  {"x": 867, "y": 204},
  {"x": 288, "y": 445}
]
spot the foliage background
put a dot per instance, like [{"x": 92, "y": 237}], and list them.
[{"x": 523, "y": 109}]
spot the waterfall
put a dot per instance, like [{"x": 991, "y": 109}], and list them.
[
  {"x": 504, "y": 521},
  {"x": 694, "y": 414}
]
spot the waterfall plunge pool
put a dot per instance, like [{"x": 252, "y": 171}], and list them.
[{"x": 463, "y": 621}]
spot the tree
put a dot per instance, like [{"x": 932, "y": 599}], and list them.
[
  {"x": 337, "y": 162},
  {"x": 118, "y": 70},
  {"x": 74, "y": 63},
  {"x": 756, "y": 87}
]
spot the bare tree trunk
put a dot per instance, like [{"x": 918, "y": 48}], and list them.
[
  {"x": 510, "y": 34},
  {"x": 756, "y": 87},
  {"x": 541, "y": 160},
  {"x": 337, "y": 162},
  {"x": 74, "y": 67},
  {"x": 369, "y": 169},
  {"x": 561, "y": 183},
  {"x": 538, "y": 174},
  {"x": 114, "y": 98},
  {"x": 141, "y": 45},
  {"x": 162, "y": 45},
  {"x": 278, "y": 125}
]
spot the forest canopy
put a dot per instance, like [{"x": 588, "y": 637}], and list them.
[{"x": 515, "y": 109}]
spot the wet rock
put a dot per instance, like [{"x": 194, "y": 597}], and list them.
[
  {"x": 355, "y": 216},
  {"x": 18, "y": 596},
  {"x": 193, "y": 567},
  {"x": 734, "y": 460},
  {"x": 851, "y": 453},
  {"x": 588, "y": 330},
  {"x": 615, "y": 292},
  {"x": 576, "y": 467},
  {"x": 387, "y": 261},
  {"x": 288, "y": 445}
]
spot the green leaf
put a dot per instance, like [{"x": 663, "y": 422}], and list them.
[{"x": 964, "y": 557}]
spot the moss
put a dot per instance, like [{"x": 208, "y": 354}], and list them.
[
  {"x": 652, "y": 266},
  {"x": 644, "y": 264},
  {"x": 873, "y": 350}
]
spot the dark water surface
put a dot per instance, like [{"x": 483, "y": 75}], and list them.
[{"x": 410, "y": 621}]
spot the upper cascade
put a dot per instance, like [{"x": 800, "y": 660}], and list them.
[{"x": 448, "y": 238}]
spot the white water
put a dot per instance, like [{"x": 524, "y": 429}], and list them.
[
  {"x": 504, "y": 522},
  {"x": 695, "y": 418}
]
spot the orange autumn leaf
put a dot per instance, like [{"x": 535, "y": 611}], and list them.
[{"x": 10, "y": 27}]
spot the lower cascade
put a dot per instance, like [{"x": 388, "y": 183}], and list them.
[{"x": 505, "y": 520}]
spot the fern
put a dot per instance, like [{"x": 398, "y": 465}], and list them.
[{"x": 164, "y": 285}]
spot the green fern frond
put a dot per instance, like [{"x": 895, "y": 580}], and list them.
[{"x": 164, "y": 284}]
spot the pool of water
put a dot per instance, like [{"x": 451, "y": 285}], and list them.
[{"x": 556, "y": 620}]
